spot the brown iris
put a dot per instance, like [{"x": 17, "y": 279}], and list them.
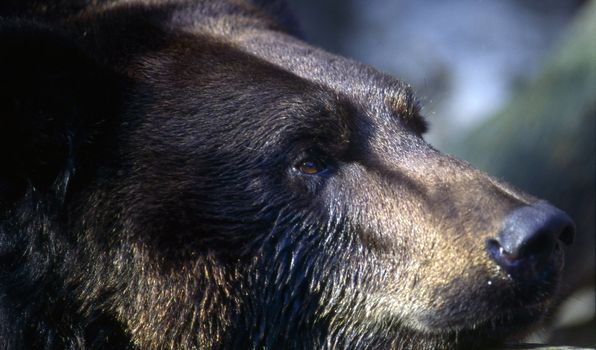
[{"x": 310, "y": 167}]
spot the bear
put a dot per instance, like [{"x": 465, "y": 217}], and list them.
[{"x": 194, "y": 175}]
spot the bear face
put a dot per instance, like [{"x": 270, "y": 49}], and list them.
[{"x": 221, "y": 184}]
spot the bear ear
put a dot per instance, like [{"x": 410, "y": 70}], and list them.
[{"x": 52, "y": 97}]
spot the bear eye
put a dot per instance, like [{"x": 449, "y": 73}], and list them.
[{"x": 311, "y": 166}]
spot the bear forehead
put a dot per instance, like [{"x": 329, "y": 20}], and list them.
[
  {"x": 203, "y": 80},
  {"x": 187, "y": 92}
]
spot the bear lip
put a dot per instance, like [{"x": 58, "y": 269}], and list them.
[
  {"x": 510, "y": 318},
  {"x": 504, "y": 307},
  {"x": 505, "y": 328},
  {"x": 494, "y": 331}
]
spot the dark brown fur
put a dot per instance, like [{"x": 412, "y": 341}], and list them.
[{"x": 161, "y": 206}]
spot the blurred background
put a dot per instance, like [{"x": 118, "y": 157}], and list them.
[{"x": 509, "y": 86}]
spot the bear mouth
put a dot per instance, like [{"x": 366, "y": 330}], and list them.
[
  {"x": 501, "y": 321},
  {"x": 506, "y": 329},
  {"x": 504, "y": 309}
]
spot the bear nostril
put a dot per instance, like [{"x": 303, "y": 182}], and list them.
[
  {"x": 530, "y": 233},
  {"x": 498, "y": 253}
]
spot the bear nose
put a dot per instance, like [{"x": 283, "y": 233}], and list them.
[{"x": 531, "y": 234}]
